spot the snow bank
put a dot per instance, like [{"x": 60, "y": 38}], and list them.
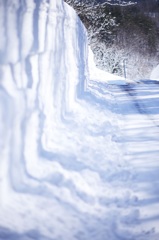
[
  {"x": 60, "y": 169},
  {"x": 52, "y": 148}
]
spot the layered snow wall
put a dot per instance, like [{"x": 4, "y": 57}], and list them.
[
  {"x": 60, "y": 165},
  {"x": 49, "y": 159},
  {"x": 43, "y": 56}
]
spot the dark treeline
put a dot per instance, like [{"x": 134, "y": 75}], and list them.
[{"x": 122, "y": 30}]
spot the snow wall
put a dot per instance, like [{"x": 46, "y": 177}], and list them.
[
  {"x": 56, "y": 158},
  {"x": 43, "y": 71}
]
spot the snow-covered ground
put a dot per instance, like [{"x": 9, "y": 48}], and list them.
[
  {"x": 99, "y": 75},
  {"x": 155, "y": 73},
  {"x": 79, "y": 156}
]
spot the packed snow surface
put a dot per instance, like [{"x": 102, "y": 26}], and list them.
[{"x": 79, "y": 157}]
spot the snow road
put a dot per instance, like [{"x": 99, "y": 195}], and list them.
[
  {"x": 138, "y": 109},
  {"x": 79, "y": 156},
  {"x": 136, "y": 173}
]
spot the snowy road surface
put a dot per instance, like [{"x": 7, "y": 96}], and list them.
[{"x": 79, "y": 158}]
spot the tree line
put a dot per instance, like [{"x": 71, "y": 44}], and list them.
[{"x": 120, "y": 30}]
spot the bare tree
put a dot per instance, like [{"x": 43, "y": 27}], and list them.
[
  {"x": 119, "y": 30},
  {"x": 99, "y": 23}
]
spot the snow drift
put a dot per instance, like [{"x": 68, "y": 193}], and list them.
[
  {"x": 59, "y": 178},
  {"x": 49, "y": 150}
]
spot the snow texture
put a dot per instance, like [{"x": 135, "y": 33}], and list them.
[
  {"x": 155, "y": 73},
  {"x": 79, "y": 158}
]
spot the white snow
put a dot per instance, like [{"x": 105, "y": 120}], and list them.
[
  {"x": 155, "y": 73},
  {"x": 103, "y": 76},
  {"x": 78, "y": 155}
]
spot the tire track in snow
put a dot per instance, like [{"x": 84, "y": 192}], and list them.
[{"x": 142, "y": 109}]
